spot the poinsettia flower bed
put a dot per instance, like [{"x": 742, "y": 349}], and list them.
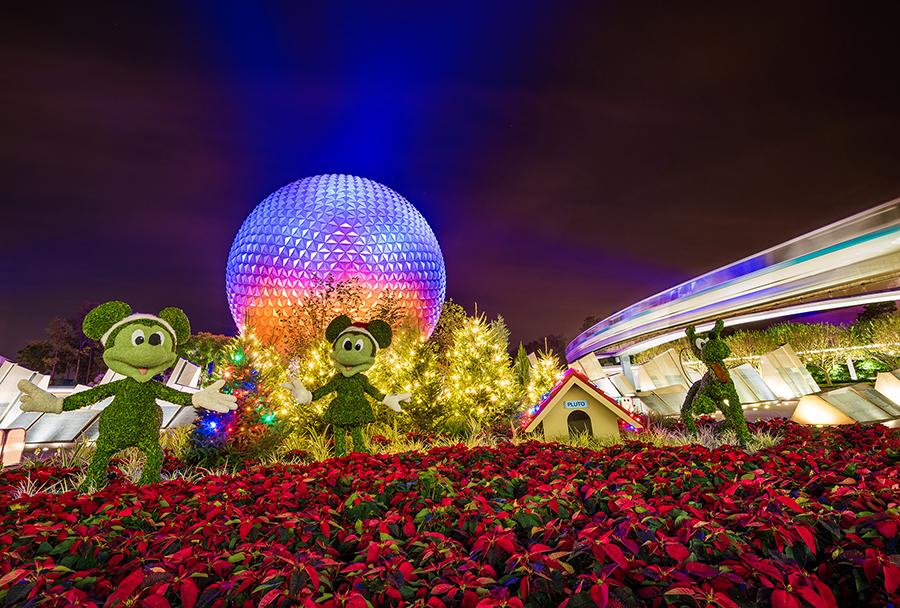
[{"x": 810, "y": 522}]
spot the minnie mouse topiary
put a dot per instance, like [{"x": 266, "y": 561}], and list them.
[{"x": 354, "y": 346}]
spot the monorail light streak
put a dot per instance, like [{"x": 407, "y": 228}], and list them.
[{"x": 858, "y": 251}]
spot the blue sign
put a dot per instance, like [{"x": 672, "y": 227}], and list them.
[{"x": 581, "y": 404}]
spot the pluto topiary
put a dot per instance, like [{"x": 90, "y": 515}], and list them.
[{"x": 715, "y": 390}]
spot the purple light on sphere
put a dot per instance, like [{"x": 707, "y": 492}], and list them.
[{"x": 333, "y": 224}]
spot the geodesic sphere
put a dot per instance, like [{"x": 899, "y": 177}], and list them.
[{"x": 341, "y": 225}]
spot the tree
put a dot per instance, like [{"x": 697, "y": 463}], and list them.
[
  {"x": 67, "y": 354},
  {"x": 453, "y": 316},
  {"x": 522, "y": 369},
  {"x": 747, "y": 346},
  {"x": 204, "y": 350},
  {"x": 542, "y": 377},
  {"x": 821, "y": 345},
  {"x": 588, "y": 323},
  {"x": 680, "y": 346},
  {"x": 36, "y": 356},
  {"x": 882, "y": 339},
  {"x": 555, "y": 344},
  {"x": 789, "y": 332},
  {"x": 390, "y": 309},
  {"x": 875, "y": 310},
  {"x": 409, "y": 365},
  {"x": 479, "y": 381},
  {"x": 304, "y": 323},
  {"x": 253, "y": 373}
]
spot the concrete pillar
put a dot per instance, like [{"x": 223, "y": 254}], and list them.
[
  {"x": 625, "y": 360},
  {"x": 851, "y": 369}
]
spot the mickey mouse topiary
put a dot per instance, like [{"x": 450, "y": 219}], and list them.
[
  {"x": 354, "y": 346},
  {"x": 716, "y": 388},
  {"x": 138, "y": 346}
]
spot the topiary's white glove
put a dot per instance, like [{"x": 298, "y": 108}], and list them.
[
  {"x": 299, "y": 391},
  {"x": 393, "y": 401},
  {"x": 211, "y": 399},
  {"x": 37, "y": 399}
]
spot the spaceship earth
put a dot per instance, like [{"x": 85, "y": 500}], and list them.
[{"x": 340, "y": 225}]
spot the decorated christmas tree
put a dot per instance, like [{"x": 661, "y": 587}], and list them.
[
  {"x": 536, "y": 375},
  {"x": 479, "y": 380},
  {"x": 409, "y": 365},
  {"x": 543, "y": 375},
  {"x": 253, "y": 373}
]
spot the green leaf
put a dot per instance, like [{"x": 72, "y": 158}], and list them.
[{"x": 86, "y": 582}]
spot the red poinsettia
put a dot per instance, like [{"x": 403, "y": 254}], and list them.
[{"x": 812, "y": 521}]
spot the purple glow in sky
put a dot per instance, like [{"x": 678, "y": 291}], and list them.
[{"x": 571, "y": 158}]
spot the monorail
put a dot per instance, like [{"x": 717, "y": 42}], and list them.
[{"x": 850, "y": 262}]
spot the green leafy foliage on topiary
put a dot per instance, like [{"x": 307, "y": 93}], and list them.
[
  {"x": 354, "y": 348},
  {"x": 715, "y": 390},
  {"x": 103, "y": 317},
  {"x": 179, "y": 322},
  {"x": 137, "y": 346}
]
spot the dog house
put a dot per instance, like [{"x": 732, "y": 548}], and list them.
[{"x": 575, "y": 405}]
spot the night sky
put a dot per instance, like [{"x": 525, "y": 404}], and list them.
[{"x": 571, "y": 157}]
